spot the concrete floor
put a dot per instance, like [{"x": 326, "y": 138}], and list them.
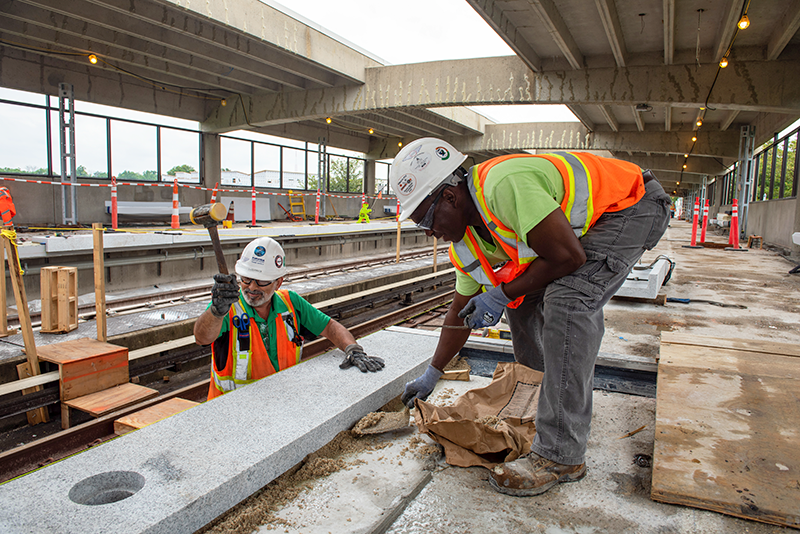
[{"x": 615, "y": 495}]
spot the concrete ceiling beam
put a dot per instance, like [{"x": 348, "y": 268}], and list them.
[
  {"x": 728, "y": 120},
  {"x": 674, "y": 164},
  {"x": 551, "y": 18},
  {"x": 668, "y": 17},
  {"x": 611, "y": 25},
  {"x": 750, "y": 86},
  {"x": 528, "y": 136},
  {"x": 582, "y": 116},
  {"x": 667, "y": 118},
  {"x": 608, "y": 115},
  {"x": 709, "y": 143},
  {"x": 727, "y": 27},
  {"x": 42, "y": 74},
  {"x": 507, "y": 30},
  {"x": 159, "y": 63},
  {"x": 787, "y": 27},
  {"x": 637, "y": 118}
]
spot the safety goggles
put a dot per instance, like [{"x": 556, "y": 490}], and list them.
[
  {"x": 427, "y": 221},
  {"x": 259, "y": 283}
]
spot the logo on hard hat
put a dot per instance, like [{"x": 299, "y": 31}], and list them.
[
  {"x": 260, "y": 251},
  {"x": 412, "y": 153},
  {"x": 442, "y": 152},
  {"x": 420, "y": 162},
  {"x": 406, "y": 184},
  {"x": 279, "y": 261}
]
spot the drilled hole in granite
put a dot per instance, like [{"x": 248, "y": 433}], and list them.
[{"x": 106, "y": 488}]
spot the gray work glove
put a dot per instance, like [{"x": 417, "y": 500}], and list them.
[
  {"x": 356, "y": 356},
  {"x": 421, "y": 387},
  {"x": 224, "y": 293},
  {"x": 485, "y": 309}
]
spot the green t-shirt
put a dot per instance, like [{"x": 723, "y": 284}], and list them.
[
  {"x": 308, "y": 316},
  {"x": 521, "y": 192}
]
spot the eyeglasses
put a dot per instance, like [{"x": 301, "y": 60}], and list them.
[
  {"x": 427, "y": 221},
  {"x": 259, "y": 283}
]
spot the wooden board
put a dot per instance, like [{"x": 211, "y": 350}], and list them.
[
  {"x": 111, "y": 399},
  {"x": 767, "y": 347},
  {"x": 727, "y": 435},
  {"x": 150, "y": 415}
]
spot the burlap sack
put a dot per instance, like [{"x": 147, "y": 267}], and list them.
[{"x": 512, "y": 397}]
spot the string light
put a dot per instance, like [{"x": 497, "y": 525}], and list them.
[
  {"x": 328, "y": 120},
  {"x": 400, "y": 143},
  {"x": 92, "y": 59},
  {"x": 724, "y": 62},
  {"x": 684, "y": 165},
  {"x": 694, "y": 139},
  {"x": 744, "y": 22},
  {"x": 686, "y": 156},
  {"x": 223, "y": 103},
  {"x": 371, "y": 131},
  {"x": 699, "y": 122}
]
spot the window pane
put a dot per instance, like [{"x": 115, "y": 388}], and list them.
[
  {"x": 294, "y": 168},
  {"x": 337, "y": 175},
  {"x": 91, "y": 155},
  {"x": 268, "y": 164},
  {"x": 133, "y": 151},
  {"x": 356, "y": 175},
  {"x": 313, "y": 170},
  {"x": 382, "y": 177},
  {"x": 23, "y": 140},
  {"x": 180, "y": 155},
  {"x": 55, "y": 149},
  {"x": 22, "y": 96},
  {"x": 235, "y": 157}
]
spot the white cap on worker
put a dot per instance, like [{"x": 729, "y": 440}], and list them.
[
  {"x": 419, "y": 168},
  {"x": 262, "y": 259}
]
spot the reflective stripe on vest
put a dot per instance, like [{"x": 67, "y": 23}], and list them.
[{"x": 239, "y": 367}]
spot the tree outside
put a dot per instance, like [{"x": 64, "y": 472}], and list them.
[
  {"x": 180, "y": 168},
  {"x": 764, "y": 171},
  {"x": 338, "y": 175}
]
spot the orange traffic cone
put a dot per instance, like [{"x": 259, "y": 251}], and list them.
[{"x": 228, "y": 222}]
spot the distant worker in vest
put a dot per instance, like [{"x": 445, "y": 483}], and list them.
[
  {"x": 268, "y": 323},
  {"x": 363, "y": 214},
  {"x": 547, "y": 239}
]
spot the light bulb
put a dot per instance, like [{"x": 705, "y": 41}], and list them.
[
  {"x": 684, "y": 165},
  {"x": 328, "y": 120},
  {"x": 400, "y": 143},
  {"x": 92, "y": 59},
  {"x": 699, "y": 122},
  {"x": 223, "y": 102},
  {"x": 724, "y": 62},
  {"x": 686, "y": 156},
  {"x": 744, "y": 22},
  {"x": 694, "y": 139},
  {"x": 371, "y": 131}
]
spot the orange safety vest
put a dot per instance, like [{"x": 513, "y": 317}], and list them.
[
  {"x": 592, "y": 186},
  {"x": 245, "y": 366},
  {"x": 7, "y": 209}
]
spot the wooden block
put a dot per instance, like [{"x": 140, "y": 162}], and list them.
[
  {"x": 456, "y": 374},
  {"x": 59, "y": 290},
  {"x": 87, "y": 365},
  {"x": 150, "y": 415},
  {"x": 108, "y": 400},
  {"x": 39, "y": 415},
  {"x": 48, "y": 279},
  {"x": 726, "y": 428}
]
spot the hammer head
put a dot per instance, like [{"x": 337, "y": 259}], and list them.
[{"x": 208, "y": 214}]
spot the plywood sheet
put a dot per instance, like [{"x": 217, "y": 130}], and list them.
[
  {"x": 111, "y": 399},
  {"x": 727, "y": 433},
  {"x": 751, "y": 345},
  {"x": 151, "y": 415}
]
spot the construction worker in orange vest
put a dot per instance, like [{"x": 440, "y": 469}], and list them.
[
  {"x": 255, "y": 328},
  {"x": 566, "y": 228},
  {"x": 7, "y": 209}
]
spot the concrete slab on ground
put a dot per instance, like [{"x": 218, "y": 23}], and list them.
[{"x": 180, "y": 473}]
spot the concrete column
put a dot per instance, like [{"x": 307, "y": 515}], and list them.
[
  {"x": 212, "y": 162},
  {"x": 369, "y": 176}
]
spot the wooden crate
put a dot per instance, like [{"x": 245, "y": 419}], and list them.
[{"x": 59, "y": 291}]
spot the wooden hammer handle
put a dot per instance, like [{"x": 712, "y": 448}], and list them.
[{"x": 223, "y": 267}]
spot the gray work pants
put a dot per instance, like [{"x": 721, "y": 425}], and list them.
[{"x": 558, "y": 329}]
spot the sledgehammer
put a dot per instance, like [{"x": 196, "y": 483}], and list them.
[{"x": 210, "y": 215}]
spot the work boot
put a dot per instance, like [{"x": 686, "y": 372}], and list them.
[{"x": 532, "y": 475}]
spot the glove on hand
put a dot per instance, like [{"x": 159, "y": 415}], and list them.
[
  {"x": 356, "y": 356},
  {"x": 485, "y": 309},
  {"x": 224, "y": 293},
  {"x": 421, "y": 387}
]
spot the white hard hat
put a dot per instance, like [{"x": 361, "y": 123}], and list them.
[
  {"x": 262, "y": 259},
  {"x": 419, "y": 168}
]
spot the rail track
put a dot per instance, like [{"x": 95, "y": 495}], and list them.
[{"x": 362, "y": 312}]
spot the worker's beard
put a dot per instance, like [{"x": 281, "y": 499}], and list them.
[{"x": 256, "y": 298}]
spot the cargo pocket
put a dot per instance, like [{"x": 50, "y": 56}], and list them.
[{"x": 591, "y": 279}]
